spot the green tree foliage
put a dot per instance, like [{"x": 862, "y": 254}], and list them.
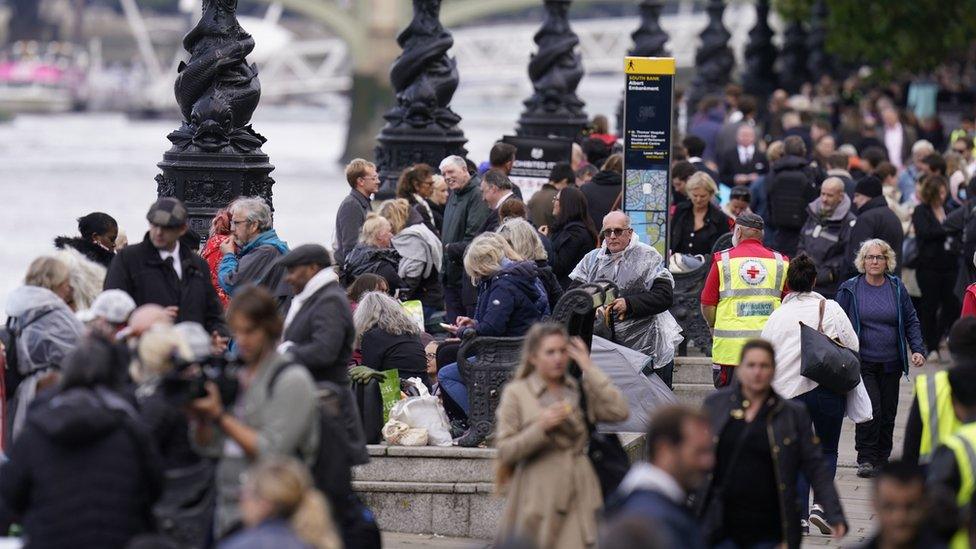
[{"x": 902, "y": 35}]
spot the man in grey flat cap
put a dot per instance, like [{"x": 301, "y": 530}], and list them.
[
  {"x": 319, "y": 333},
  {"x": 158, "y": 270},
  {"x": 318, "y": 327},
  {"x": 745, "y": 285}
]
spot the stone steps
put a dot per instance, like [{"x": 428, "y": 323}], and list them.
[
  {"x": 449, "y": 491},
  {"x": 446, "y": 491}
]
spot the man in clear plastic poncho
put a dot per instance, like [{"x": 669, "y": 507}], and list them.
[{"x": 645, "y": 288}]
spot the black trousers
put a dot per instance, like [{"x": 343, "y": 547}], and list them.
[
  {"x": 872, "y": 439},
  {"x": 939, "y": 306}
]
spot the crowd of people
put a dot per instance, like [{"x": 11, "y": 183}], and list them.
[{"x": 205, "y": 383}]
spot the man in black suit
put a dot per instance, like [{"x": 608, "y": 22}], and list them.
[
  {"x": 160, "y": 270},
  {"x": 496, "y": 188},
  {"x": 745, "y": 163}
]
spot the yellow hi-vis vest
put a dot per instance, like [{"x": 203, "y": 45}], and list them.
[
  {"x": 749, "y": 290},
  {"x": 935, "y": 407},
  {"x": 963, "y": 446}
]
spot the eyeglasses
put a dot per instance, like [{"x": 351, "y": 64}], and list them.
[
  {"x": 607, "y": 233},
  {"x": 875, "y": 258},
  {"x": 431, "y": 356},
  {"x": 239, "y": 221}
]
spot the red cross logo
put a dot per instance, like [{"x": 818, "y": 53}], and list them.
[{"x": 752, "y": 272}]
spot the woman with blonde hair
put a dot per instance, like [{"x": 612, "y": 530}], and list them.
[
  {"x": 282, "y": 509},
  {"x": 541, "y": 434},
  {"x": 887, "y": 326},
  {"x": 698, "y": 223},
  {"x": 374, "y": 253},
  {"x": 44, "y": 327},
  {"x": 510, "y": 300},
  {"x": 525, "y": 240},
  {"x": 421, "y": 255}
]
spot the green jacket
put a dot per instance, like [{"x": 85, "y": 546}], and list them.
[{"x": 464, "y": 215}]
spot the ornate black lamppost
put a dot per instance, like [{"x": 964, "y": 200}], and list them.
[
  {"x": 555, "y": 70},
  {"x": 649, "y": 40},
  {"x": 216, "y": 156},
  {"x": 759, "y": 78},
  {"x": 421, "y": 127},
  {"x": 793, "y": 58},
  {"x": 714, "y": 59},
  {"x": 819, "y": 62}
]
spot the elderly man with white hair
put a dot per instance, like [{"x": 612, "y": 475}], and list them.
[
  {"x": 250, "y": 256},
  {"x": 464, "y": 216},
  {"x": 826, "y": 234},
  {"x": 645, "y": 288}
]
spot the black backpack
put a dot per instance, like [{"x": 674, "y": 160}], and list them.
[{"x": 332, "y": 470}]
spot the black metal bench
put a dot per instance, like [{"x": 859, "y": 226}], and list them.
[
  {"x": 494, "y": 358},
  {"x": 686, "y": 307}
]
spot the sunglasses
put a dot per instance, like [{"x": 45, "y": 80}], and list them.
[{"x": 607, "y": 233}]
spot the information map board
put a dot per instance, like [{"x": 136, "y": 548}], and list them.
[{"x": 648, "y": 99}]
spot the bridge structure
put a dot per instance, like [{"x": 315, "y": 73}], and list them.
[{"x": 493, "y": 57}]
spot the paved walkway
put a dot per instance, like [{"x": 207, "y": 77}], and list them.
[{"x": 855, "y": 492}]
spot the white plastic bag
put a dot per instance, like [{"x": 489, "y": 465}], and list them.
[
  {"x": 424, "y": 412},
  {"x": 414, "y": 437},
  {"x": 859, "y": 404}
]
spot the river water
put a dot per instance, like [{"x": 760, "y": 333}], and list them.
[{"x": 54, "y": 169}]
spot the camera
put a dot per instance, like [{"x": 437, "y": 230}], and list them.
[{"x": 187, "y": 380}]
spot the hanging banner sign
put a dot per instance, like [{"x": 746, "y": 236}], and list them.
[
  {"x": 648, "y": 100},
  {"x": 534, "y": 159}
]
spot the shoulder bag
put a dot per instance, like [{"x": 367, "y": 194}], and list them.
[{"x": 826, "y": 360}]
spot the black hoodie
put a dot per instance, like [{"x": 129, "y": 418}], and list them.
[
  {"x": 601, "y": 192},
  {"x": 88, "y": 249},
  {"x": 790, "y": 189},
  {"x": 82, "y": 473}
]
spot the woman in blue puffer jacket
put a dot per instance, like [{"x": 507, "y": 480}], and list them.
[{"x": 511, "y": 298}]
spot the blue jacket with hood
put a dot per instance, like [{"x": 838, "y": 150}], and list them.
[
  {"x": 908, "y": 324},
  {"x": 510, "y": 301}
]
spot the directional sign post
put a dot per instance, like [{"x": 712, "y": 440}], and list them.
[{"x": 648, "y": 100}]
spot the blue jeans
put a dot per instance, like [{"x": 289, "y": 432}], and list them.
[
  {"x": 451, "y": 382},
  {"x": 827, "y": 410}
]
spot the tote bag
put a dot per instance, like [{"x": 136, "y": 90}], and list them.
[{"x": 826, "y": 361}]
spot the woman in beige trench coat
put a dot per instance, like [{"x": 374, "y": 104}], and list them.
[{"x": 553, "y": 493}]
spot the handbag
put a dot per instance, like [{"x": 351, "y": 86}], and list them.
[
  {"x": 610, "y": 461},
  {"x": 826, "y": 361},
  {"x": 713, "y": 513}
]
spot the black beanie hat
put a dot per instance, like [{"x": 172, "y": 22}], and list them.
[{"x": 869, "y": 186}]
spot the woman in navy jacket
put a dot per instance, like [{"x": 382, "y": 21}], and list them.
[
  {"x": 888, "y": 328},
  {"x": 510, "y": 300}
]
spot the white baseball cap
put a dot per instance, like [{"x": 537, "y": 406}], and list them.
[{"x": 114, "y": 306}]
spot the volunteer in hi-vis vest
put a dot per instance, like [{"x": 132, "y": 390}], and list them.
[
  {"x": 744, "y": 286},
  {"x": 952, "y": 471},
  {"x": 933, "y": 403}
]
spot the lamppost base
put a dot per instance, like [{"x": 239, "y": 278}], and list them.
[
  {"x": 401, "y": 148},
  {"x": 569, "y": 127},
  {"x": 207, "y": 182}
]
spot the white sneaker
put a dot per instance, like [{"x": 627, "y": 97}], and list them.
[{"x": 819, "y": 520}]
